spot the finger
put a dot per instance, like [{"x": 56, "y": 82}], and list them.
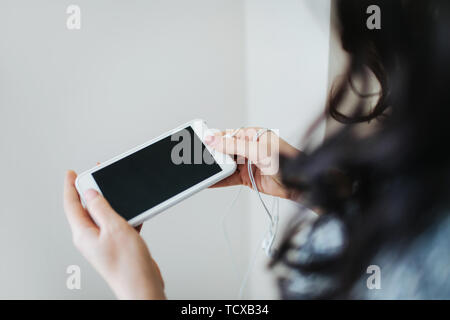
[
  {"x": 228, "y": 132},
  {"x": 232, "y": 146},
  {"x": 232, "y": 180},
  {"x": 101, "y": 211},
  {"x": 239, "y": 132},
  {"x": 242, "y": 133},
  {"x": 76, "y": 215},
  {"x": 159, "y": 273}
]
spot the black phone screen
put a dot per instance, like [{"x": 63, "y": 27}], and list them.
[{"x": 156, "y": 173}]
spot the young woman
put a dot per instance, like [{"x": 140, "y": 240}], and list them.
[{"x": 383, "y": 197}]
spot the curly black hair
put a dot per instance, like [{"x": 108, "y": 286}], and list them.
[{"x": 392, "y": 185}]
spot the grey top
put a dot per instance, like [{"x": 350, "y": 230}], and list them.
[{"x": 421, "y": 271}]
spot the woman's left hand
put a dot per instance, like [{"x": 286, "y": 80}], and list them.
[
  {"x": 267, "y": 179},
  {"x": 112, "y": 246}
]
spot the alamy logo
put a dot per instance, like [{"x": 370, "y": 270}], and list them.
[
  {"x": 374, "y": 20},
  {"x": 186, "y": 149},
  {"x": 73, "y": 281},
  {"x": 74, "y": 19},
  {"x": 374, "y": 280}
]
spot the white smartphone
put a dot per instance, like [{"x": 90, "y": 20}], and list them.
[{"x": 154, "y": 176}]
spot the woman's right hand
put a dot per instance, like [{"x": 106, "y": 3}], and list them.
[
  {"x": 112, "y": 246},
  {"x": 264, "y": 155}
]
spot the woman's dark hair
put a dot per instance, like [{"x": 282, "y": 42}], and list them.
[{"x": 392, "y": 185}]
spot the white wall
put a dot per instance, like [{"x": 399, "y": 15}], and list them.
[
  {"x": 71, "y": 98},
  {"x": 286, "y": 78},
  {"x": 134, "y": 70}
]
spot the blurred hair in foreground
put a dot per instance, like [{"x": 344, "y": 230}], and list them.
[{"x": 385, "y": 197}]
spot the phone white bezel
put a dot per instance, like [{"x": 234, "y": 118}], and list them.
[{"x": 86, "y": 181}]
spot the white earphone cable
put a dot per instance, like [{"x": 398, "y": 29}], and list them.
[
  {"x": 226, "y": 236},
  {"x": 269, "y": 238}
]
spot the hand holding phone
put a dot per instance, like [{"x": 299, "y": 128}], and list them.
[
  {"x": 152, "y": 177},
  {"x": 113, "y": 247}
]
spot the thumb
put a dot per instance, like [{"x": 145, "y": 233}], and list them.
[{"x": 100, "y": 210}]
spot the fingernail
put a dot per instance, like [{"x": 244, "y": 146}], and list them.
[
  {"x": 90, "y": 194},
  {"x": 210, "y": 139}
]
